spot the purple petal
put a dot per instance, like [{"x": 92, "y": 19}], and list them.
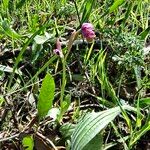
[
  {"x": 86, "y": 26},
  {"x": 58, "y": 52},
  {"x": 87, "y": 31}
]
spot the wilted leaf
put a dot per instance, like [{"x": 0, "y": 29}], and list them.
[
  {"x": 9, "y": 69},
  {"x": 31, "y": 99},
  {"x": 53, "y": 113},
  {"x": 71, "y": 39}
]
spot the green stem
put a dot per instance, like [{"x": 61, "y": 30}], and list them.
[
  {"x": 63, "y": 82},
  {"x": 77, "y": 11}
]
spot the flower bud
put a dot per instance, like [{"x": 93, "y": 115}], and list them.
[
  {"x": 58, "y": 44},
  {"x": 87, "y": 30},
  {"x": 58, "y": 50}
]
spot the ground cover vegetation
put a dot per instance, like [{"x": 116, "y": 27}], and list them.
[{"x": 74, "y": 74}]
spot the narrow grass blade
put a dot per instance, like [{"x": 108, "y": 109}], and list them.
[
  {"x": 8, "y": 30},
  {"x": 88, "y": 5},
  {"x": 140, "y": 133},
  {"x": 115, "y": 5},
  {"x": 89, "y": 53},
  {"x": 127, "y": 14},
  {"x": 145, "y": 33},
  {"x": 106, "y": 85},
  {"x": 19, "y": 58},
  {"x": 144, "y": 102}
]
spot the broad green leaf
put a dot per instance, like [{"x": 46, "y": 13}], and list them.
[
  {"x": 28, "y": 143},
  {"x": 36, "y": 51},
  {"x": 9, "y": 31},
  {"x": 96, "y": 143},
  {"x": 115, "y": 5},
  {"x": 41, "y": 39},
  {"x": 91, "y": 125},
  {"x": 46, "y": 96}
]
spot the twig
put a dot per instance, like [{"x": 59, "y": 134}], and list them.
[
  {"x": 4, "y": 114},
  {"x": 21, "y": 89},
  {"x": 46, "y": 140},
  {"x": 9, "y": 138}
]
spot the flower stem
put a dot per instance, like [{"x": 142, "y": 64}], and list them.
[
  {"x": 77, "y": 12},
  {"x": 63, "y": 82}
]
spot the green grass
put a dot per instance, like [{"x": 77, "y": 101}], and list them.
[{"x": 111, "y": 71}]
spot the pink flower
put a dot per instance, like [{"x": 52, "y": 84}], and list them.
[
  {"x": 87, "y": 30},
  {"x": 58, "y": 50}
]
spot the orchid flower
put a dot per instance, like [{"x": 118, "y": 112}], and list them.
[
  {"x": 87, "y": 30},
  {"x": 58, "y": 50}
]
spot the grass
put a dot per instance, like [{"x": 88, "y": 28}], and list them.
[{"x": 107, "y": 79}]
